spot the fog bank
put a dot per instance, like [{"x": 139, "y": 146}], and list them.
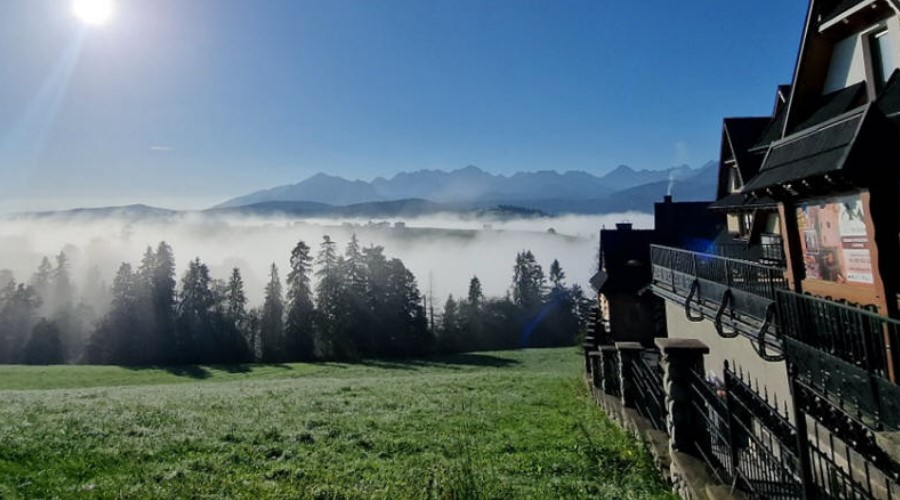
[{"x": 444, "y": 251}]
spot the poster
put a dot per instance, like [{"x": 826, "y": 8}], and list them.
[{"x": 834, "y": 241}]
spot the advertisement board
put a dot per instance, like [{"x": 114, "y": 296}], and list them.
[{"x": 834, "y": 240}]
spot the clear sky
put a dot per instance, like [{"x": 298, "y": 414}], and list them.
[{"x": 186, "y": 102}]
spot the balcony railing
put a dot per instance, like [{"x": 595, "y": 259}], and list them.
[
  {"x": 769, "y": 254},
  {"x": 736, "y": 274},
  {"x": 844, "y": 354},
  {"x": 737, "y": 295}
]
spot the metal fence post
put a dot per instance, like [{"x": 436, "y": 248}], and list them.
[
  {"x": 803, "y": 453},
  {"x": 732, "y": 428}
]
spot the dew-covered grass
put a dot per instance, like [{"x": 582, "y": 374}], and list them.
[{"x": 486, "y": 425}]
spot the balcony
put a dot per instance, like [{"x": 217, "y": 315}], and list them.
[
  {"x": 738, "y": 296},
  {"x": 844, "y": 357},
  {"x": 769, "y": 252}
]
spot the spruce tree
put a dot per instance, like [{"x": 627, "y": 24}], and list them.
[
  {"x": 301, "y": 312},
  {"x": 272, "y": 320},
  {"x": 163, "y": 303}
]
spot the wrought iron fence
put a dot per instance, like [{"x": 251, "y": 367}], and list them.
[
  {"x": 852, "y": 334},
  {"x": 837, "y": 470},
  {"x": 749, "y": 277},
  {"x": 768, "y": 463},
  {"x": 713, "y": 444},
  {"x": 844, "y": 354},
  {"x": 745, "y": 440},
  {"x": 770, "y": 254},
  {"x": 649, "y": 394}
]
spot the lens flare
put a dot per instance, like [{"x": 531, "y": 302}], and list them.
[{"x": 93, "y": 12}]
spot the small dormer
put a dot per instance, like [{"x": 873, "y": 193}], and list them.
[
  {"x": 865, "y": 46},
  {"x": 849, "y": 51}
]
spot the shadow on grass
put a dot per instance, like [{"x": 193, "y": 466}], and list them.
[
  {"x": 455, "y": 361},
  {"x": 201, "y": 372}
]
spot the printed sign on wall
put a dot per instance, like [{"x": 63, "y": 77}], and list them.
[{"x": 834, "y": 241}]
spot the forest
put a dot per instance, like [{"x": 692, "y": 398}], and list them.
[{"x": 345, "y": 305}]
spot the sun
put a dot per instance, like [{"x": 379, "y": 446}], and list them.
[{"x": 93, "y": 12}]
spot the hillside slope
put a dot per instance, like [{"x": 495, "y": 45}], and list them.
[{"x": 487, "y": 425}]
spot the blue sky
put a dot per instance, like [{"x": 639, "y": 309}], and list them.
[{"x": 185, "y": 103}]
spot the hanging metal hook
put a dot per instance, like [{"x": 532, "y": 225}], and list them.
[
  {"x": 727, "y": 302},
  {"x": 695, "y": 287}
]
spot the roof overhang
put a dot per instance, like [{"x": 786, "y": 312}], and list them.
[
  {"x": 845, "y": 151},
  {"x": 740, "y": 201}
]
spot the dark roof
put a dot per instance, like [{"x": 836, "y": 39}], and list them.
[
  {"x": 889, "y": 100},
  {"x": 738, "y": 200},
  {"x": 598, "y": 280},
  {"x": 772, "y": 131},
  {"x": 625, "y": 260},
  {"x": 835, "y": 104},
  {"x": 743, "y": 134},
  {"x": 849, "y": 147},
  {"x": 840, "y": 8}
]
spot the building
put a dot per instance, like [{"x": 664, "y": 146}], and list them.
[
  {"x": 789, "y": 317},
  {"x": 628, "y": 310}
]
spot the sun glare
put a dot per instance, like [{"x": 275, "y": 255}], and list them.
[{"x": 93, "y": 12}]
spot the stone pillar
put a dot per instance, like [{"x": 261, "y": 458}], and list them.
[
  {"x": 629, "y": 353},
  {"x": 679, "y": 358}
]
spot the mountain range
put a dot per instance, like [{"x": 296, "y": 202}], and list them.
[{"x": 624, "y": 188}]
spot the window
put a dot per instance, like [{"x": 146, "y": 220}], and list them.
[
  {"x": 734, "y": 181},
  {"x": 746, "y": 224},
  {"x": 882, "y": 54}
]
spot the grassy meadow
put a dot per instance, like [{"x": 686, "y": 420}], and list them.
[{"x": 486, "y": 425}]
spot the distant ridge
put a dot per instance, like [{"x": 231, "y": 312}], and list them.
[
  {"x": 467, "y": 191},
  {"x": 549, "y": 191}
]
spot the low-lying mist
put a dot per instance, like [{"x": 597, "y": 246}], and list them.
[{"x": 443, "y": 251}]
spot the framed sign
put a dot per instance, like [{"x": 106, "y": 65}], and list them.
[{"x": 834, "y": 240}]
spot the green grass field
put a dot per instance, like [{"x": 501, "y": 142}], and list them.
[{"x": 488, "y": 425}]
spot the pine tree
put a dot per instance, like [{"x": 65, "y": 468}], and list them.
[
  {"x": 116, "y": 338},
  {"x": 329, "y": 341},
  {"x": 475, "y": 295},
  {"x": 62, "y": 293},
  {"x": 557, "y": 276},
  {"x": 301, "y": 312},
  {"x": 471, "y": 312},
  {"x": 236, "y": 300},
  {"x": 407, "y": 325},
  {"x": 451, "y": 328},
  {"x": 528, "y": 282},
  {"x": 272, "y": 320},
  {"x": 19, "y": 306},
  {"x": 195, "y": 320},
  {"x": 354, "y": 306},
  {"x": 41, "y": 281},
  {"x": 376, "y": 303},
  {"x": 44, "y": 346},
  {"x": 163, "y": 283}
]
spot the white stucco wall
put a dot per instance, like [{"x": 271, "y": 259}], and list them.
[
  {"x": 769, "y": 374},
  {"x": 847, "y": 65}
]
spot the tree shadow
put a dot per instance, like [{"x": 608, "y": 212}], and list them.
[
  {"x": 202, "y": 372},
  {"x": 248, "y": 368},
  {"x": 453, "y": 362}
]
